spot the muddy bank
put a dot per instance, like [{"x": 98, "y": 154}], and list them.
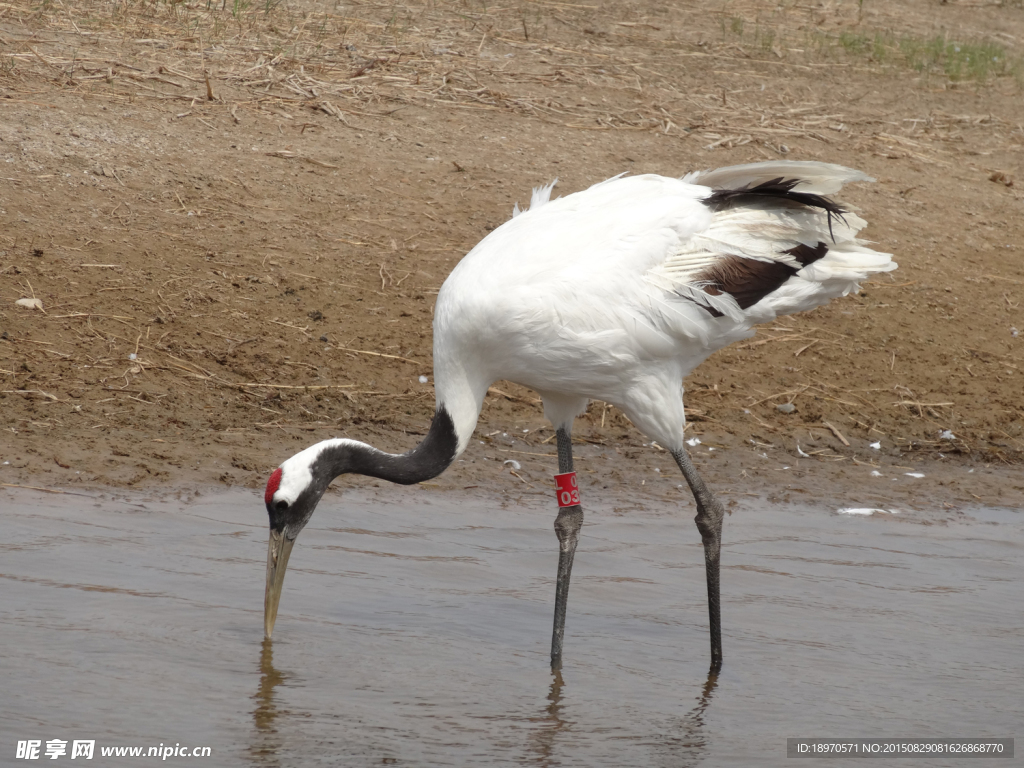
[{"x": 237, "y": 249}]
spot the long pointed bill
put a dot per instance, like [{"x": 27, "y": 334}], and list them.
[{"x": 278, "y": 552}]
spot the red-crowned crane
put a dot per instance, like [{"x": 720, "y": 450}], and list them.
[{"x": 614, "y": 293}]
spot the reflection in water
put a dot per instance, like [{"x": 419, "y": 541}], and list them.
[
  {"x": 551, "y": 723},
  {"x": 685, "y": 743},
  {"x": 266, "y": 743},
  {"x": 681, "y": 743}
]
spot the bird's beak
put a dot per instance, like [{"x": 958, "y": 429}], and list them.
[{"x": 278, "y": 552}]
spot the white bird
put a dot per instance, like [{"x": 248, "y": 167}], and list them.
[{"x": 614, "y": 293}]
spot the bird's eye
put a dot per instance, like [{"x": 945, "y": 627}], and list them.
[{"x": 281, "y": 506}]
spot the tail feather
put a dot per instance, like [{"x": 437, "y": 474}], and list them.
[
  {"x": 812, "y": 177},
  {"x": 774, "y": 190},
  {"x": 776, "y": 244}
]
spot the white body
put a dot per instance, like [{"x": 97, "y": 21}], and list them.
[{"x": 592, "y": 296}]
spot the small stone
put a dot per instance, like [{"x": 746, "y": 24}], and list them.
[
  {"x": 1001, "y": 177},
  {"x": 786, "y": 408},
  {"x": 29, "y": 303}
]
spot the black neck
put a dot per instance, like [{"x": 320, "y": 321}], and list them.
[{"x": 427, "y": 460}]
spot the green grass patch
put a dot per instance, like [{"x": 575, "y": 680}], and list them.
[{"x": 956, "y": 60}]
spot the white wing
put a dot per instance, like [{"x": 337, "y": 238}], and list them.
[{"x": 641, "y": 274}]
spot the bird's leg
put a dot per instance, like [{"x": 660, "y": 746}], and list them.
[
  {"x": 709, "y": 523},
  {"x": 567, "y": 528}
]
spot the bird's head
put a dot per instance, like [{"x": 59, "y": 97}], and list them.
[
  {"x": 296, "y": 487},
  {"x": 293, "y": 491}
]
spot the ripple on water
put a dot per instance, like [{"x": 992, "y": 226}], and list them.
[{"x": 415, "y": 627}]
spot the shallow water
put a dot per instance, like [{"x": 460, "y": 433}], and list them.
[{"x": 415, "y": 626}]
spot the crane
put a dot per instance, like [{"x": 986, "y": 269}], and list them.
[{"x": 614, "y": 293}]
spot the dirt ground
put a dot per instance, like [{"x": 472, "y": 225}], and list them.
[{"x": 236, "y": 220}]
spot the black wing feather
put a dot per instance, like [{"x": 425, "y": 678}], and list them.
[{"x": 779, "y": 189}]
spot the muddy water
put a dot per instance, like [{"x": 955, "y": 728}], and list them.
[{"x": 414, "y": 630}]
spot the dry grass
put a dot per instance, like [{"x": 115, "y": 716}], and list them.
[
  {"x": 366, "y": 60},
  {"x": 721, "y": 91},
  {"x": 371, "y": 60}
]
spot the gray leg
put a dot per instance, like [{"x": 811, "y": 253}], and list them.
[
  {"x": 709, "y": 523},
  {"x": 567, "y": 528}
]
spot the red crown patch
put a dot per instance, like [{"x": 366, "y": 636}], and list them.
[{"x": 272, "y": 485}]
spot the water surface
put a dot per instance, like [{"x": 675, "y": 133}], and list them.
[{"x": 415, "y": 626}]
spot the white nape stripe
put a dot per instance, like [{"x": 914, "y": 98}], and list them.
[{"x": 297, "y": 472}]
